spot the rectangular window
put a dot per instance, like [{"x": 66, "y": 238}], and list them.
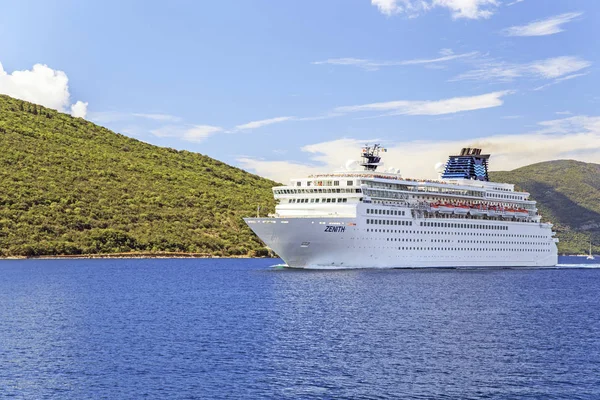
[
  {"x": 336, "y": 183},
  {"x": 298, "y": 183},
  {"x": 349, "y": 183}
]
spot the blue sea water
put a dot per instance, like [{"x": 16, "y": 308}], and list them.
[{"x": 191, "y": 329}]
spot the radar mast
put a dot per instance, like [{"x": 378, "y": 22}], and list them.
[{"x": 371, "y": 158}]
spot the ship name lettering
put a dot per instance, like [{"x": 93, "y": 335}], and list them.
[{"x": 335, "y": 229}]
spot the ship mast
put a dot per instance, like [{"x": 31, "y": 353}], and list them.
[{"x": 371, "y": 158}]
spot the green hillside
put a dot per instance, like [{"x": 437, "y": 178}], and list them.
[
  {"x": 568, "y": 195},
  {"x": 68, "y": 186}
]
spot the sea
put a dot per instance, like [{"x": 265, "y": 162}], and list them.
[{"x": 240, "y": 329}]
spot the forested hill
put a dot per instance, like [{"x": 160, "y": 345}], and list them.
[
  {"x": 68, "y": 186},
  {"x": 568, "y": 195}
]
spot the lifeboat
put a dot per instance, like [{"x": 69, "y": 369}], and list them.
[
  {"x": 433, "y": 207},
  {"x": 478, "y": 211},
  {"x": 521, "y": 213},
  {"x": 509, "y": 213},
  {"x": 461, "y": 210},
  {"x": 446, "y": 208},
  {"x": 494, "y": 212}
]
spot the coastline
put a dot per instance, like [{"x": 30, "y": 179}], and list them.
[{"x": 126, "y": 256}]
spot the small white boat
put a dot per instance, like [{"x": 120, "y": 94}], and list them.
[
  {"x": 590, "y": 256},
  {"x": 494, "y": 213},
  {"x": 446, "y": 208},
  {"x": 508, "y": 213},
  {"x": 521, "y": 213},
  {"x": 478, "y": 212},
  {"x": 461, "y": 210},
  {"x": 434, "y": 208}
]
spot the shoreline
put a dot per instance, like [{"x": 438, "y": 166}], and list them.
[
  {"x": 126, "y": 256},
  {"x": 157, "y": 255}
]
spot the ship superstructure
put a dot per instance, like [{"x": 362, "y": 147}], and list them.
[{"x": 372, "y": 219}]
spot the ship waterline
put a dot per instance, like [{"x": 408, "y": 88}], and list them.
[{"x": 365, "y": 219}]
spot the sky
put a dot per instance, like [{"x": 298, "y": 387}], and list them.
[{"x": 288, "y": 88}]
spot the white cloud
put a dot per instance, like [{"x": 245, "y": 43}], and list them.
[
  {"x": 41, "y": 85},
  {"x": 157, "y": 117},
  {"x": 515, "y": 2},
  {"x": 200, "y": 132},
  {"x": 573, "y": 124},
  {"x": 548, "y": 26},
  {"x": 391, "y": 7},
  {"x": 279, "y": 171},
  {"x": 168, "y": 131},
  {"x": 559, "y": 80},
  {"x": 372, "y": 65},
  {"x": 439, "y": 107},
  {"x": 196, "y": 133},
  {"x": 79, "y": 109},
  {"x": 570, "y": 138},
  {"x": 470, "y": 9},
  {"x": 558, "y": 66},
  {"x": 399, "y": 107},
  {"x": 103, "y": 117},
  {"x": 263, "y": 122},
  {"x": 550, "y": 68}
]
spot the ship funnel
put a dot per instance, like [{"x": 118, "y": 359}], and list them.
[{"x": 470, "y": 164}]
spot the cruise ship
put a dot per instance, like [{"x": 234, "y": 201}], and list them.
[{"x": 371, "y": 219}]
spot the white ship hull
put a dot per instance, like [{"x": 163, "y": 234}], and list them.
[{"x": 327, "y": 243}]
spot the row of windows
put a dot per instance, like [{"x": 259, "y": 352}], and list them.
[
  {"x": 473, "y": 249},
  {"x": 465, "y": 241},
  {"x": 324, "y": 183},
  {"x": 389, "y": 231},
  {"x": 501, "y": 242},
  {"x": 340, "y": 200},
  {"x": 387, "y": 222},
  {"x": 461, "y": 225},
  {"x": 384, "y": 212},
  {"x": 392, "y": 197},
  {"x": 374, "y": 186},
  {"x": 457, "y": 233},
  {"x": 309, "y": 191},
  {"x": 505, "y": 196}
]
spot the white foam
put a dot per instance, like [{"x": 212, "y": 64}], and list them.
[{"x": 589, "y": 266}]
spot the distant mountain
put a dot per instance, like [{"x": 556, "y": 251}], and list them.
[
  {"x": 68, "y": 186},
  {"x": 568, "y": 195}
]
